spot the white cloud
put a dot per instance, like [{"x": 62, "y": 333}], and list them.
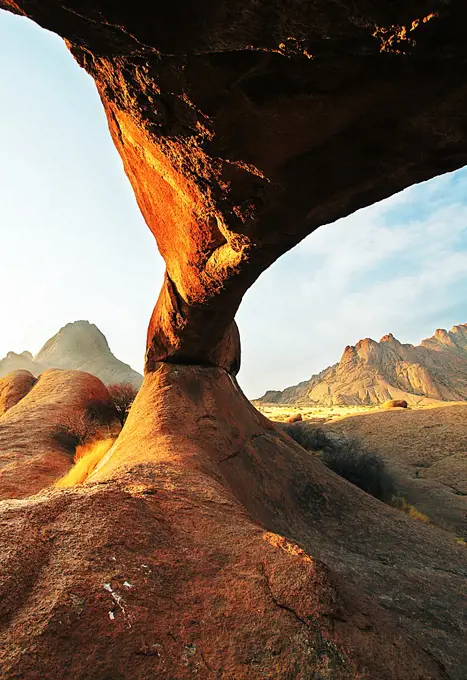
[{"x": 398, "y": 266}]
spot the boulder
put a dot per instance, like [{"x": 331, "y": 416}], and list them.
[
  {"x": 13, "y": 387},
  {"x": 296, "y": 418},
  {"x": 31, "y": 455},
  {"x": 395, "y": 403}
]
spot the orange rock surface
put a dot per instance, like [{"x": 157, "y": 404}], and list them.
[
  {"x": 31, "y": 458},
  {"x": 13, "y": 387},
  {"x": 196, "y": 547},
  {"x": 172, "y": 560}
]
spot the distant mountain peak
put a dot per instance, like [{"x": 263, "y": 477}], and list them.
[
  {"x": 389, "y": 338},
  {"x": 80, "y": 338},
  {"x": 371, "y": 372},
  {"x": 80, "y": 346}
]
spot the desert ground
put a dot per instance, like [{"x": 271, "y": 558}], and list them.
[
  {"x": 281, "y": 412},
  {"x": 424, "y": 448}
]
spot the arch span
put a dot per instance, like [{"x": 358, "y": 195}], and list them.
[
  {"x": 243, "y": 126},
  {"x": 239, "y": 140}
]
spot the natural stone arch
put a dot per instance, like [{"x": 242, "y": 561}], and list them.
[
  {"x": 243, "y": 127},
  {"x": 240, "y": 140}
]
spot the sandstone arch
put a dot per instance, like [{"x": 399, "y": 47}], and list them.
[
  {"x": 239, "y": 141},
  {"x": 243, "y": 126}
]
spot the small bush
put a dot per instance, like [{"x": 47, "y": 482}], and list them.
[
  {"x": 76, "y": 428},
  {"x": 122, "y": 396},
  {"x": 311, "y": 438},
  {"x": 347, "y": 458},
  {"x": 79, "y": 427},
  {"x": 102, "y": 412}
]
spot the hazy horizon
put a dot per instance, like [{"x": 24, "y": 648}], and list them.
[{"x": 75, "y": 246}]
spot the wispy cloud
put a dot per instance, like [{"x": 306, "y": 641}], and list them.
[{"x": 399, "y": 266}]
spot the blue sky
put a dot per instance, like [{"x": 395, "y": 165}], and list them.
[{"x": 73, "y": 244}]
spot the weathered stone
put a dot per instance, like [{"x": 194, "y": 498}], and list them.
[
  {"x": 31, "y": 456},
  {"x": 244, "y": 127},
  {"x": 13, "y": 387},
  {"x": 388, "y": 372}
]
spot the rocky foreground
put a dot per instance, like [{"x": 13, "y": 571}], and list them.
[
  {"x": 373, "y": 372},
  {"x": 206, "y": 543},
  {"x": 229, "y": 552}
]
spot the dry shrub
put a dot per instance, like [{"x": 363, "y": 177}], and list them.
[
  {"x": 87, "y": 458},
  {"x": 81, "y": 426},
  {"x": 122, "y": 396},
  {"x": 347, "y": 457},
  {"x": 410, "y": 510}
]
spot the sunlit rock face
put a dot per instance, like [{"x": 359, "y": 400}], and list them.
[
  {"x": 196, "y": 547},
  {"x": 245, "y": 126},
  {"x": 372, "y": 372},
  {"x": 13, "y": 387},
  {"x": 31, "y": 455}
]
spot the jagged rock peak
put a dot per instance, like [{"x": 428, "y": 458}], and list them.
[
  {"x": 389, "y": 338},
  {"x": 372, "y": 373}
]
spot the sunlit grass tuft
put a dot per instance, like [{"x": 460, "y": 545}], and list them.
[
  {"x": 87, "y": 458},
  {"x": 410, "y": 510}
]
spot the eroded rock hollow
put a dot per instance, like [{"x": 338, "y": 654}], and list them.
[{"x": 243, "y": 126}]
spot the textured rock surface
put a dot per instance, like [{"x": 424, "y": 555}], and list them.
[
  {"x": 13, "y": 387},
  {"x": 207, "y": 589},
  {"x": 243, "y": 126},
  {"x": 426, "y": 451},
  {"x": 373, "y": 372},
  {"x": 78, "y": 346},
  {"x": 30, "y": 456}
]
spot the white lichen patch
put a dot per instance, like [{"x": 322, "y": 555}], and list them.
[{"x": 118, "y": 598}]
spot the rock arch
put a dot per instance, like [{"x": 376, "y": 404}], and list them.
[
  {"x": 243, "y": 126},
  {"x": 239, "y": 140}
]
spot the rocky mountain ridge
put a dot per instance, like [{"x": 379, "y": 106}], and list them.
[
  {"x": 78, "y": 346},
  {"x": 372, "y": 372}
]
